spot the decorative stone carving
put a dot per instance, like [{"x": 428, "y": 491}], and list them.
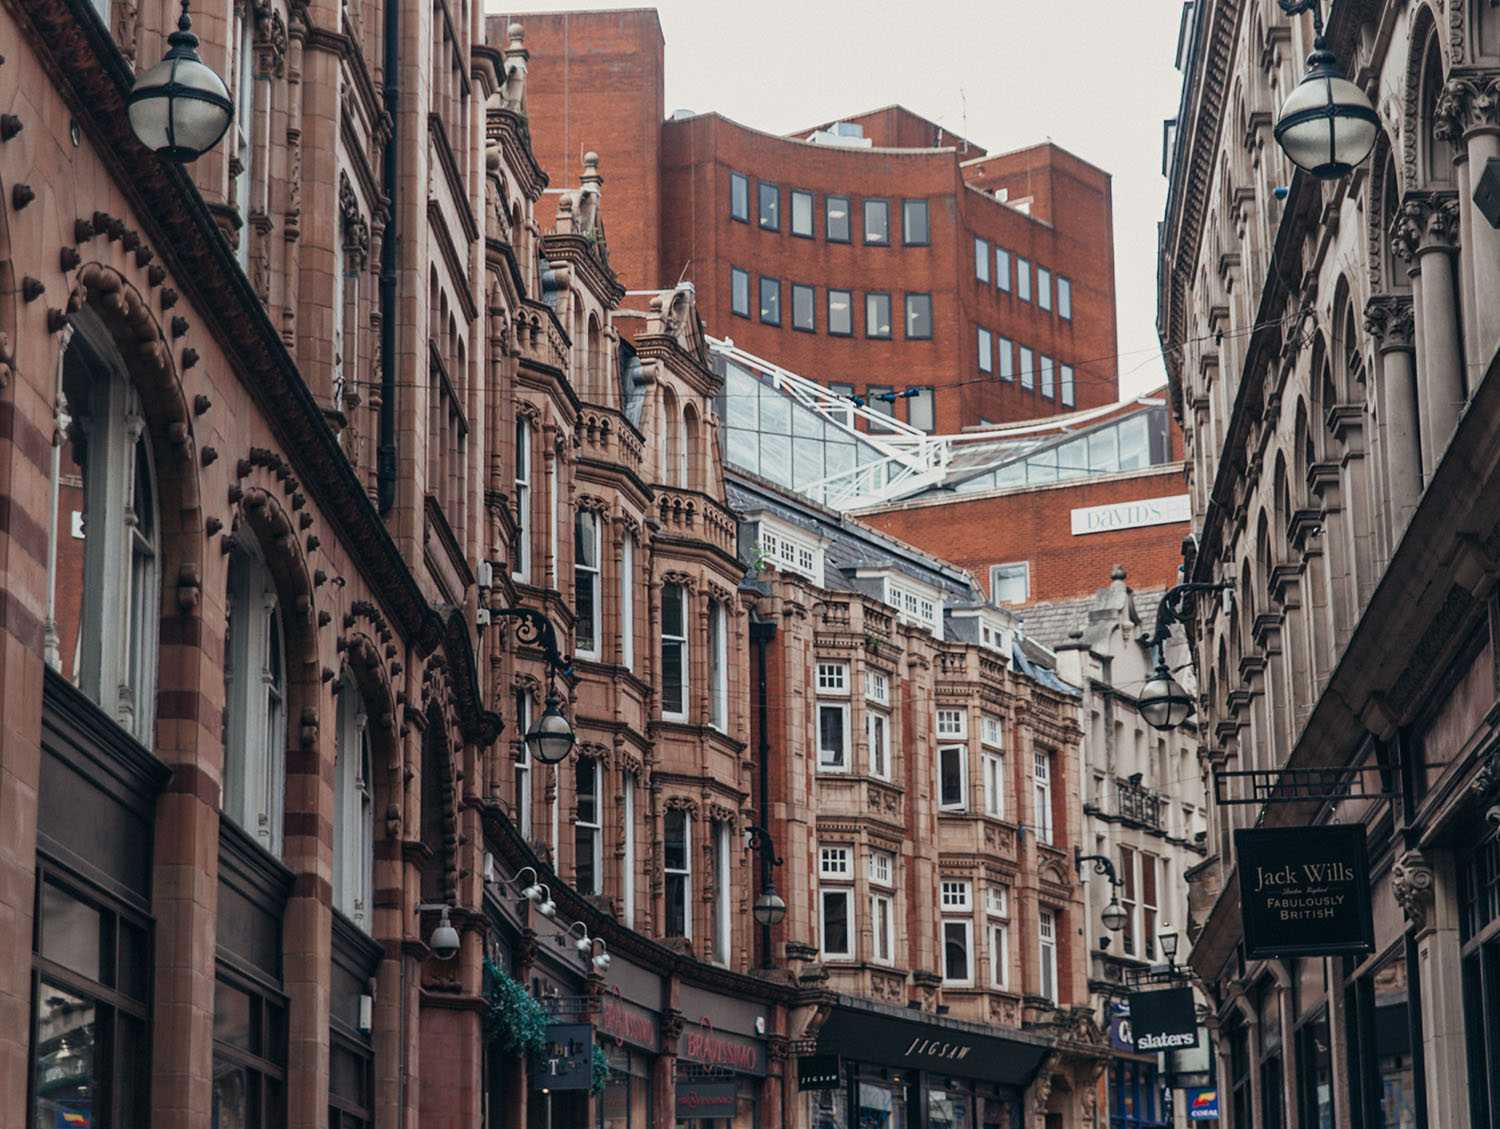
[
  {"x": 1411, "y": 882},
  {"x": 356, "y": 230},
  {"x": 1426, "y": 221},
  {"x": 1464, "y": 104},
  {"x": 1388, "y": 319}
]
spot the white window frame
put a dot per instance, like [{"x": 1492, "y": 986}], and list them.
[
  {"x": 966, "y": 927},
  {"x": 522, "y": 570},
  {"x": 353, "y": 810},
  {"x": 962, "y": 802},
  {"x": 997, "y": 899},
  {"x": 981, "y": 260},
  {"x": 992, "y": 765},
  {"x": 593, "y": 828},
  {"x": 627, "y": 877},
  {"x": 880, "y": 868},
  {"x": 882, "y": 925},
  {"x": 836, "y": 861},
  {"x": 683, "y": 874},
  {"x": 877, "y": 687},
  {"x": 255, "y": 683},
  {"x": 833, "y": 760},
  {"x": 680, "y": 643},
  {"x": 846, "y": 895},
  {"x": 718, "y": 666},
  {"x": 955, "y": 894},
  {"x": 586, "y": 576},
  {"x": 1064, "y": 298},
  {"x": 524, "y": 779},
  {"x": 952, "y": 724},
  {"x": 991, "y": 732},
  {"x": 1041, "y": 770},
  {"x": 627, "y": 601},
  {"x": 1005, "y": 572},
  {"x": 833, "y": 678},
  {"x": 999, "y": 938},
  {"x": 723, "y": 943},
  {"x": 878, "y": 743},
  {"x": 1046, "y": 933}
]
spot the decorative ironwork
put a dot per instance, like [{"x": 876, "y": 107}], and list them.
[
  {"x": 1300, "y": 785},
  {"x": 1102, "y": 865},
  {"x": 535, "y": 629},
  {"x": 1137, "y": 804},
  {"x": 758, "y": 839}
]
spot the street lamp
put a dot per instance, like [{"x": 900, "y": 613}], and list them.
[
  {"x": 1326, "y": 125},
  {"x": 1169, "y": 944},
  {"x": 1114, "y": 915},
  {"x": 769, "y": 909},
  {"x": 180, "y": 107},
  {"x": 1163, "y": 702},
  {"x": 553, "y": 738}
]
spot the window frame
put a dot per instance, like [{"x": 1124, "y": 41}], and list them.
[
  {"x": 846, "y": 895},
  {"x": 966, "y": 926},
  {"x": 872, "y": 206},
  {"x": 723, "y": 938},
  {"x": 774, "y": 223},
  {"x": 828, "y": 222},
  {"x": 876, "y": 295},
  {"x": 825, "y": 761},
  {"x": 951, "y": 723},
  {"x": 682, "y": 644},
  {"x": 1043, "y": 288},
  {"x": 1024, "y": 566},
  {"x": 878, "y": 754},
  {"x": 926, "y": 213},
  {"x": 1042, "y": 796},
  {"x": 1027, "y": 368},
  {"x": 960, "y": 803},
  {"x": 741, "y": 181},
  {"x": 985, "y": 351},
  {"x": 796, "y": 195},
  {"x": 1005, "y": 356},
  {"x": 588, "y": 832},
  {"x": 848, "y": 296},
  {"x": 1044, "y": 375},
  {"x": 776, "y": 304},
  {"x": 627, "y": 600},
  {"x": 924, "y": 400},
  {"x": 737, "y": 308},
  {"x": 1064, "y": 297},
  {"x": 811, "y": 292},
  {"x": 917, "y": 298},
  {"x": 353, "y": 885},
  {"x": 1002, "y": 269},
  {"x": 1023, "y": 279},
  {"x": 587, "y": 534},
  {"x": 1065, "y": 385},
  {"x": 1046, "y": 934},
  {"x": 682, "y": 876},
  {"x": 882, "y": 927},
  {"x": 982, "y": 272},
  {"x": 522, "y": 569},
  {"x": 718, "y": 665},
  {"x": 992, "y": 767}
]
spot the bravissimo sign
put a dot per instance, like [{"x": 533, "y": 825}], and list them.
[{"x": 1304, "y": 891}]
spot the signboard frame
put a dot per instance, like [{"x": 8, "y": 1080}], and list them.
[
  {"x": 1163, "y": 1014},
  {"x": 1319, "y": 874}
]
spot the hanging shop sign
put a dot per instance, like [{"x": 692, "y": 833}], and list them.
[
  {"x": 1119, "y": 1028},
  {"x": 568, "y": 1060},
  {"x": 701, "y": 1098},
  {"x": 1203, "y": 1105},
  {"x": 1163, "y": 1020},
  {"x": 819, "y": 1072},
  {"x": 1304, "y": 891}
]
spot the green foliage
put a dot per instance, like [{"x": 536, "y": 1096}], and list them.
[
  {"x": 513, "y": 1018},
  {"x": 600, "y": 1074}
]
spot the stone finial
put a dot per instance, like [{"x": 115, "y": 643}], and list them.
[
  {"x": 1411, "y": 883},
  {"x": 513, "y": 94},
  {"x": 1117, "y": 573}
]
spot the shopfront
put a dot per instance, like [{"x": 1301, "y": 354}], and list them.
[
  {"x": 631, "y": 1038},
  {"x": 720, "y": 1075},
  {"x": 898, "y": 1071}
]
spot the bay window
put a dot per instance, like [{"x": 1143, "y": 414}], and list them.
[
  {"x": 587, "y": 836},
  {"x": 674, "y": 652},
  {"x": 586, "y": 601},
  {"x": 953, "y": 777},
  {"x": 718, "y": 667},
  {"x": 677, "y": 863},
  {"x": 878, "y": 736},
  {"x": 836, "y": 925}
]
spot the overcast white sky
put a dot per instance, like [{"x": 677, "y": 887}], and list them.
[{"x": 1095, "y": 76}]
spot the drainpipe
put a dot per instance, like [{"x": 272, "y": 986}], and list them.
[{"x": 385, "y": 457}]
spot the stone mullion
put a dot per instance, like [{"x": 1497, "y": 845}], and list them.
[{"x": 1390, "y": 319}]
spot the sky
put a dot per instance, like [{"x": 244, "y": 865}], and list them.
[{"x": 1096, "y": 77}]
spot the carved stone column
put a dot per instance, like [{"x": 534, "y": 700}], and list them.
[
  {"x": 1388, "y": 319},
  {"x": 1468, "y": 115},
  {"x": 1426, "y": 233}
]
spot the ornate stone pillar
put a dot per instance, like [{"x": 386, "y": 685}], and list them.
[
  {"x": 1468, "y": 116},
  {"x": 1426, "y": 233},
  {"x": 1389, "y": 320}
]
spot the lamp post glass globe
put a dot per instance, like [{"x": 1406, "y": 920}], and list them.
[
  {"x": 1327, "y": 125},
  {"x": 553, "y": 738},
  {"x": 1113, "y": 916},
  {"x": 1163, "y": 702},
  {"x": 1169, "y": 945},
  {"x": 180, "y": 108},
  {"x": 769, "y": 908}
]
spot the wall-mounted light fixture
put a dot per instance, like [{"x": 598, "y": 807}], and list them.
[
  {"x": 1163, "y": 702},
  {"x": 180, "y": 108},
  {"x": 553, "y": 738},
  {"x": 1168, "y": 940},
  {"x": 1326, "y": 125},
  {"x": 535, "y": 891},
  {"x": 1114, "y": 915}
]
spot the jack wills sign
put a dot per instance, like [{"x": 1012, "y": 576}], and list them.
[{"x": 1304, "y": 891}]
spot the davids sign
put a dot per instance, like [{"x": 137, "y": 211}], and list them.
[
  {"x": 1304, "y": 891},
  {"x": 1163, "y": 1020}
]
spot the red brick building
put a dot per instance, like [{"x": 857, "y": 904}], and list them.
[{"x": 876, "y": 255}]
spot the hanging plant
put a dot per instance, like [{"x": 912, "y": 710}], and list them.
[
  {"x": 513, "y": 1018},
  {"x": 600, "y": 1073}
]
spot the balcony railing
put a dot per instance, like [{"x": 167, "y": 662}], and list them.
[{"x": 1137, "y": 804}]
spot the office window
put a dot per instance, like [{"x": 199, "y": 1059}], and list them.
[
  {"x": 718, "y": 667},
  {"x": 882, "y": 945},
  {"x": 1028, "y": 371},
  {"x": 674, "y": 652},
  {"x": 802, "y": 213},
  {"x": 986, "y": 351},
  {"x": 1023, "y": 279},
  {"x": 877, "y": 687},
  {"x": 739, "y": 197},
  {"x": 993, "y": 767},
  {"x": 952, "y": 723},
  {"x": 833, "y": 737},
  {"x": 587, "y": 837},
  {"x": 882, "y": 868},
  {"x": 723, "y": 922},
  {"x": 804, "y": 315},
  {"x": 586, "y": 603},
  {"x": 1002, "y": 269},
  {"x": 957, "y": 937},
  {"x": 982, "y": 260},
  {"x": 833, "y": 678},
  {"x": 627, "y": 600},
  {"x": 834, "y": 862},
  {"x": 836, "y": 219},
  {"x": 999, "y": 933},
  {"x": 1005, "y": 355},
  {"x": 954, "y": 894},
  {"x": 878, "y": 737},
  {"x": 770, "y": 206},
  {"x": 880, "y": 398},
  {"x": 1010, "y": 583},
  {"x": 914, "y": 227},
  {"x": 918, "y": 317},
  {"x": 1046, "y": 376},
  {"x": 1043, "y": 288},
  {"x": 770, "y": 300},
  {"x": 836, "y": 923},
  {"x": 1064, "y": 298},
  {"x": 840, "y": 314},
  {"x": 877, "y": 315},
  {"x": 1042, "y": 803},
  {"x": 739, "y": 292},
  {"x": 953, "y": 772},
  {"x": 677, "y": 867},
  {"x": 522, "y": 552},
  {"x": 920, "y": 410},
  {"x": 1065, "y": 386},
  {"x": 1046, "y": 928},
  {"x": 990, "y": 732},
  {"x": 877, "y": 214}
]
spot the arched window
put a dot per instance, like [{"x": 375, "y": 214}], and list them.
[
  {"x": 255, "y": 697},
  {"x": 689, "y": 469},
  {"x": 353, "y": 810},
  {"x": 1437, "y": 152},
  {"x": 596, "y": 359},
  {"x": 104, "y": 542}
]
